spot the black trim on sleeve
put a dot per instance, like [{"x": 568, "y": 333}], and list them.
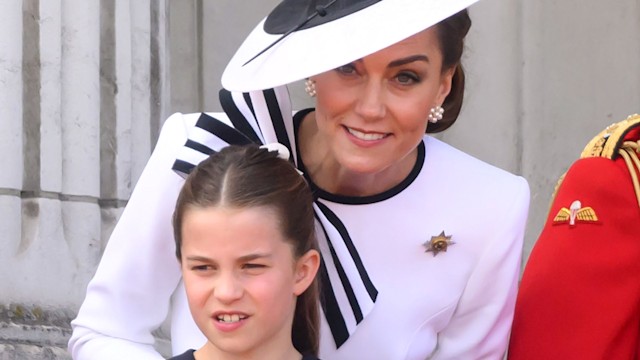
[
  {"x": 276, "y": 118},
  {"x": 331, "y": 308},
  {"x": 333, "y": 219},
  {"x": 222, "y": 130},
  {"x": 235, "y": 115},
  {"x": 182, "y": 167},
  {"x": 199, "y": 147},
  {"x": 348, "y": 289}
]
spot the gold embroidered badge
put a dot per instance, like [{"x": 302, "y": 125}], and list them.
[
  {"x": 575, "y": 213},
  {"x": 438, "y": 243}
]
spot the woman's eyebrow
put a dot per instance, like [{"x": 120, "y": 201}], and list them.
[{"x": 407, "y": 60}]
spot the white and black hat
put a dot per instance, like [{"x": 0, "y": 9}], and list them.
[{"x": 302, "y": 38}]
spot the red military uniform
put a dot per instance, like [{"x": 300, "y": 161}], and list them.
[{"x": 580, "y": 292}]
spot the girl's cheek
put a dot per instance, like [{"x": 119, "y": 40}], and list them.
[{"x": 197, "y": 289}]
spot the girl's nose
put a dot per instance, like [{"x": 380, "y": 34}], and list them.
[{"x": 228, "y": 288}]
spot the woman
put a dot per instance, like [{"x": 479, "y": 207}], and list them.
[
  {"x": 244, "y": 231},
  {"x": 420, "y": 243}
]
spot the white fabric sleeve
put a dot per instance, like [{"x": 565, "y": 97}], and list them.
[
  {"x": 480, "y": 326},
  {"x": 129, "y": 296}
]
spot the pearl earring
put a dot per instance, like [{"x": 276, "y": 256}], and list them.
[
  {"x": 310, "y": 87},
  {"x": 435, "y": 114}
]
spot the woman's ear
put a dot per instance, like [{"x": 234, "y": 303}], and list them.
[
  {"x": 305, "y": 271},
  {"x": 446, "y": 79}
]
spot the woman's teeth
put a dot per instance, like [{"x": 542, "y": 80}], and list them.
[{"x": 365, "y": 136}]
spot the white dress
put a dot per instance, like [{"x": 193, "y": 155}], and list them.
[{"x": 455, "y": 305}]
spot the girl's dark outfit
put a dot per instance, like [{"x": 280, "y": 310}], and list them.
[{"x": 188, "y": 355}]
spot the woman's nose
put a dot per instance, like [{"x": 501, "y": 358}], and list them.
[
  {"x": 228, "y": 288},
  {"x": 370, "y": 101}
]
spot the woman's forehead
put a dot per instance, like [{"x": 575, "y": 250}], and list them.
[{"x": 423, "y": 43}]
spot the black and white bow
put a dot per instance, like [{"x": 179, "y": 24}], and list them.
[{"x": 261, "y": 117}]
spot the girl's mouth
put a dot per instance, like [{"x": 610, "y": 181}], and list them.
[{"x": 230, "y": 318}]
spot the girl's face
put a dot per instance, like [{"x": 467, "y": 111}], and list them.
[
  {"x": 242, "y": 278},
  {"x": 373, "y": 112}
]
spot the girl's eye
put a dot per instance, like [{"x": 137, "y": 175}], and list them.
[
  {"x": 407, "y": 78},
  {"x": 201, "y": 268},
  {"x": 346, "y": 69},
  {"x": 254, "y": 266}
]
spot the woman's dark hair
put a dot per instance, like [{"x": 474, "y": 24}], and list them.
[
  {"x": 451, "y": 33},
  {"x": 249, "y": 176}
]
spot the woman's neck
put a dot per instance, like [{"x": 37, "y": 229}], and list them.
[{"x": 330, "y": 176}]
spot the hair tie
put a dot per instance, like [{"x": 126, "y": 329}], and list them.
[{"x": 283, "y": 152}]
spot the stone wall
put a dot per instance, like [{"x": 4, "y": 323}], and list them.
[{"x": 83, "y": 92}]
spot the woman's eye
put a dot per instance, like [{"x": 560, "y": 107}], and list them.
[
  {"x": 407, "y": 78},
  {"x": 346, "y": 69}
]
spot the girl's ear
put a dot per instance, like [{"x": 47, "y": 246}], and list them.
[{"x": 305, "y": 271}]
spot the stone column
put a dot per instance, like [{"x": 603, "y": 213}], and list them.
[
  {"x": 11, "y": 159},
  {"x": 83, "y": 93},
  {"x": 11, "y": 94}
]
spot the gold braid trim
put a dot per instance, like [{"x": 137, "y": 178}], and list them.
[
  {"x": 595, "y": 146},
  {"x": 608, "y": 141},
  {"x": 629, "y": 152},
  {"x": 610, "y": 144}
]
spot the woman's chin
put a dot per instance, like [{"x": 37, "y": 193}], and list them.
[{"x": 363, "y": 166}]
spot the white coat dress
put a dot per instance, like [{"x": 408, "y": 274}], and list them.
[{"x": 393, "y": 298}]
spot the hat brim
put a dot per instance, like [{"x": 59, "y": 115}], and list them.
[{"x": 312, "y": 51}]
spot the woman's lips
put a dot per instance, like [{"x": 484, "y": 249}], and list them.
[
  {"x": 366, "y": 136},
  {"x": 365, "y": 139}
]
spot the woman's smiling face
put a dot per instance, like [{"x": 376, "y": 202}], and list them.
[{"x": 372, "y": 113}]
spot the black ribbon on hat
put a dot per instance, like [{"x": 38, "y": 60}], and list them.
[
  {"x": 298, "y": 14},
  {"x": 293, "y": 15},
  {"x": 261, "y": 117}
]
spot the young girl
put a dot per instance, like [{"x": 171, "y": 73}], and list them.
[{"x": 244, "y": 230}]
